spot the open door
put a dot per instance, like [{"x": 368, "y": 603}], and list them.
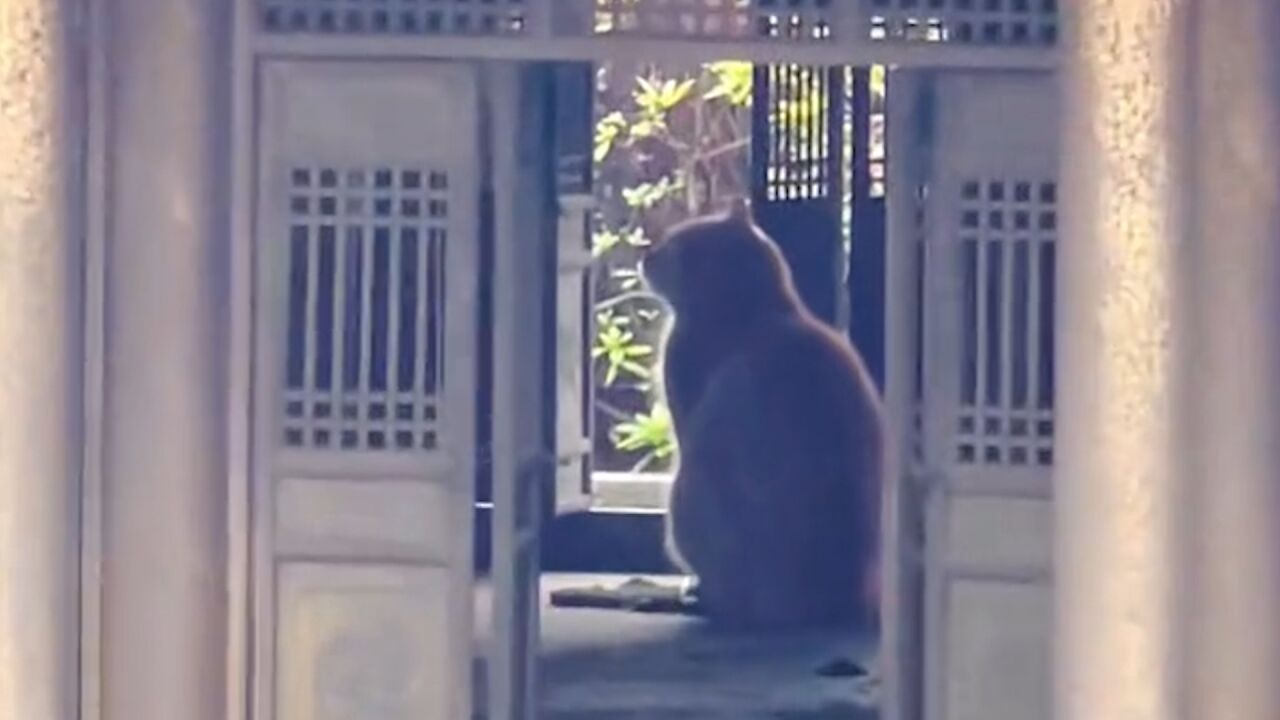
[
  {"x": 521, "y": 177},
  {"x": 908, "y": 142},
  {"x": 571, "y": 394}
]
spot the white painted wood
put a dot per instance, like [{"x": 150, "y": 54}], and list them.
[
  {"x": 991, "y": 213},
  {"x": 363, "y": 520},
  {"x": 364, "y": 642},
  {"x": 524, "y": 461},
  {"x": 573, "y": 339},
  {"x": 630, "y": 492},
  {"x": 859, "y": 32},
  {"x": 932, "y": 56},
  {"x": 997, "y": 633},
  {"x": 902, "y": 624},
  {"x": 999, "y": 531},
  {"x": 402, "y": 520},
  {"x": 164, "y": 388}
]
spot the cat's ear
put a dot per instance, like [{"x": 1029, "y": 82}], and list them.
[{"x": 740, "y": 210}]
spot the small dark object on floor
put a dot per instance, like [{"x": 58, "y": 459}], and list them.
[
  {"x": 842, "y": 667},
  {"x": 635, "y": 595},
  {"x": 832, "y": 711}
]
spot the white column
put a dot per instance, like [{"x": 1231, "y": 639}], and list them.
[
  {"x": 164, "y": 450},
  {"x": 1113, "y": 479},
  {"x": 1166, "y": 515},
  {"x": 902, "y": 622},
  {"x": 1230, "y": 374},
  {"x": 40, "y": 141}
]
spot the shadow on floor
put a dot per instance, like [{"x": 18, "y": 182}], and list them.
[{"x": 615, "y": 665}]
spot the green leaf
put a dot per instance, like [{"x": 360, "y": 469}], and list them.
[
  {"x": 608, "y": 129},
  {"x": 603, "y": 241},
  {"x": 635, "y": 238},
  {"x": 634, "y": 368},
  {"x": 647, "y": 128},
  {"x": 732, "y": 82},
  {"x": 650, "y": 431},
  {"x": 646, "y": 196},
  {"x": 674, "y": 93}
]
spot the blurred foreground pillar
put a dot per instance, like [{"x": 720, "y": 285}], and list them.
[
  {"x": 166, "y": 267},
  {"x": 40, "y": 135},
  {"x": 1166, "y": 493}
]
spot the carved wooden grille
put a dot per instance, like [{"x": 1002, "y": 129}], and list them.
[
  {"x": 363, "y": 357},
  {"x": 796, "y": 144},
  {"x": 395, "y": 17},
  {"x": 797, "y": 166},
  {"x": 978, "y": 22},
  {"x": 728, "y": 19},
  {"x": 1007, "y": 232}
]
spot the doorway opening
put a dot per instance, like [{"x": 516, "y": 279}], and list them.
[{"x": 663, "y": 142}]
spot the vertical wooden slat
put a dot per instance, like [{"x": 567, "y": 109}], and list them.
[
  {"x": 1007, "y": 301},
  {"x": 1034, "y": 350},
  {"x": 310, "y": 336},
  {"x": 980, "y": 330},
  {"x": 338, "y": 356},
  {"x": 421, "y": 346},
  {"x": 430, "y": 362},
  {"x": 368, "y": 243},
  {"x": 441, "y": 354},
  {"x": 970, "y": 366},
  {"x": 393, "y": 290}
]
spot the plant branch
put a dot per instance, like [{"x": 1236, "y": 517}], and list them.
[{"x": 626, "y": 297}]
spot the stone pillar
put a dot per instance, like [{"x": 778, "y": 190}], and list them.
[
  {"x": 1166, "y": 513},
  {"x": 41, "y": 135},
  {"x": 1229, "y": 377},
  {"x": 164, "y": 439}
]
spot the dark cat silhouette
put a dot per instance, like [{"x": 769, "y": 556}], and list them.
[{"x": 776, "y": 502}]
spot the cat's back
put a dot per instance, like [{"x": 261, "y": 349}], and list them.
[{"x": 810, "y": 375}]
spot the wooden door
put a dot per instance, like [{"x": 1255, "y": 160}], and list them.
[{"x": 367, "y": 209}]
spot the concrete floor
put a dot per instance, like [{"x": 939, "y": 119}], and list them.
[{"x": 615, "y": 665}]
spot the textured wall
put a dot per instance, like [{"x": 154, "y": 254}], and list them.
[
  {"x": 1166, "y": 501},
  {"x": 1121, "y": 227},
  {"x": 39, "y": 440}
]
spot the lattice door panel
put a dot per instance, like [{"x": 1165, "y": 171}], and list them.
[
  {"x": 1017, "y": 23},
  {"x": 792, "y": 20},
  {"x": 395, "y": 17},
  {"x": 364, "y": 389},
  {"x": 993, "y": 224},
  {"x": 991, "y": 231},
  {"x": 1008, "y": 228},
  {"x": 365, "y": 356}
]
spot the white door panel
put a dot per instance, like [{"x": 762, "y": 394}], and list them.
[
  {"x": 991, "y": 225},
  {"x": 364, "y": 390}
]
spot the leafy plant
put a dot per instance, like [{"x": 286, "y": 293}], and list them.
[
  {"x": 620, "y": 349},
  {"x": 672, "y": 142},
  {"x": 669, "y": 143},
  {"x": 650, "y": 433}
]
